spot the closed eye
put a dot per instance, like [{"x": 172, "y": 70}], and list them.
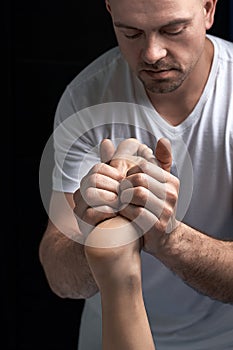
[
  {"x": 132, "y": 36},
  {"x": 174, "y": 30},
  {"x": 173, "y": 33}
]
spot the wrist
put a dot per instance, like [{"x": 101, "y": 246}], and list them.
[
  {"x": 180, "y": 248},
  {"x": 167, "y": 243},
  {"x": 114, "y": 267},
  {"x": 121, "y": 283}
]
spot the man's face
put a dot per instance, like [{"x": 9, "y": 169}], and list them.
[{"x": 162, "y": 40}]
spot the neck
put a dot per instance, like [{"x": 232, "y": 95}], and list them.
[{"x": 176, "y": 106}]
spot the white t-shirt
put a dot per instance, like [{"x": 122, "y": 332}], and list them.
[{"x": 107, "y": 101}]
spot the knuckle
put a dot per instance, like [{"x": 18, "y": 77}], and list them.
[
  {"x": 141, "y": 194},
  {"x": 83, "y": 182},
  {"x": 144, "y": 166},
  {"x": 89, "y": 194},
  {"x": 107, "y": 210},
  {"x": 94, "y": 178},
  {"x": 139, "y": 179},
  {"x": 106, "y": 197},
  {"x": 112, "y": 197},
  {"x": 161, "y": 225},
  {"x": 175, "y": 181},
  {"x": 172, "y": 197},
  {"x": 90, "y": 215},
  {"x": 138, "y": 211},
  {"x": 98, "y": 167},
  {"x": 167, "y": 212}
]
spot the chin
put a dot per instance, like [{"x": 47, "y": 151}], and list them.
[{"x": 162, "y": 88}]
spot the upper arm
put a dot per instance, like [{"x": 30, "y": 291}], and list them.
[{"x": 61, "y": 217}]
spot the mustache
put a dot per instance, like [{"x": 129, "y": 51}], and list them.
[{"x": 159, "y": 66}]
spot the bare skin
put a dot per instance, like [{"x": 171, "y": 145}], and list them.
[{"x": 117, "y": 271}]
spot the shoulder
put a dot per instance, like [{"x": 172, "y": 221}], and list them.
[
  {"x": 222, "y": 69},
  {"x": 104, "y": 63},
  {"x": 219, "y": 105},
  {"x": 224, "y": 48},
  {"x": 106, "y": 79}
]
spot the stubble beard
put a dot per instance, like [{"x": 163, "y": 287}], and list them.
[{"x": 166, "y": 85}]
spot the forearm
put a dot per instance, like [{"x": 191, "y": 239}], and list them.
[
  {"x": 116, "y": 265},
  {"x": 66, "y": 267},
  {"x": 205, "y": 263},
  {"x": 125, "y": 323}
]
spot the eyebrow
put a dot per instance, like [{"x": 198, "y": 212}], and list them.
[{"x": 171, "y": 23}]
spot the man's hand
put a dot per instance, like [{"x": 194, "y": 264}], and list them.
[
  {"x": 149, "y": 194},
  {"x": 135, "y": 184},
  {"x": 98, "y": 196}
]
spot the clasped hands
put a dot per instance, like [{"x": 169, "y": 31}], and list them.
[{"x": 131, "y": 183}]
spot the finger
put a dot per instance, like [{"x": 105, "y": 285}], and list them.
[
  {"x": 107, "y": 150},
  {"x": 142, "y": 197},
  {"x": 127, "y": 147},
  {"x": 100, "y": 181},
  {"x": 94, "y": 216},
  {"x": 146, "y": 181},
  {"x": 93, "y": 197},
  {"x": 132, "y": 149},
  {"x": 145, "y": 152},
  {"x": 142, "y": 217},
  {"x": 103, "y": 169},
  {"x": 163, "y": 153},
  {"x": 97, "y": 189},
  {"x": 96, "y": 197},
  {"x": 146, "y": 220},
  {"x": 153, "y": 170},
  {"x": 124, "y": 158}
]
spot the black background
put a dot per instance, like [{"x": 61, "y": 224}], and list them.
[{"x": 47, "y": 44}]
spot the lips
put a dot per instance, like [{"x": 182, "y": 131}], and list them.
[{"x": 157, "y": 73}]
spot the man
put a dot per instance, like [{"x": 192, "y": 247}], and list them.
[{"x": 167, "y": 65}]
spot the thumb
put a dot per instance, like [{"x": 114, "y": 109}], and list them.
[
  {"x": 107, "y": 150},
  {"x": 163, "y": 153}
]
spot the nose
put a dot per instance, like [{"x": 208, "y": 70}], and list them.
[{"x": 153, "y": 51}]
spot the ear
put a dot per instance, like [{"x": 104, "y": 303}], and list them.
[
  {"x": 209, "y": 12},
  {"x": 108, "y": 7}
]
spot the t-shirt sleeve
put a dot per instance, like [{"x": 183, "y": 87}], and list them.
[{"x": 75, "y": 151}]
